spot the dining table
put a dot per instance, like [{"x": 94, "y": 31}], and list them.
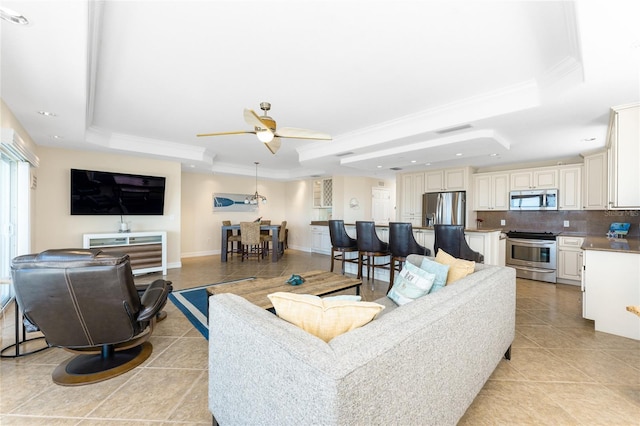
[{"x": 274, "y": 229}]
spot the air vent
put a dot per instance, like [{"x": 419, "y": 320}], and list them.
[
  {"x": 453, "y": 129},
  {"x": 344, "y": 154},
  {"x": 395, "y": 168}
]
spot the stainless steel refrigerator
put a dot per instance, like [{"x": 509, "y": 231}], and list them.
[{"x": 443, "y": 208}]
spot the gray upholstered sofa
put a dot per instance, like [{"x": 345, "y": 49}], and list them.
[{"x": 421, "y": 363}]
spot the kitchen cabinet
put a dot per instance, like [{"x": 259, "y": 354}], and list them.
[
  {"x": 569, "y": 260},
  {"x": 535, "y": 179},
  {"x": 491, "y": 191},
  {"x": 624, "y": 157},
  {"x": 320, "y": 240},
  {"x": 595, "y": 181},
  {"x": 610, "y": 284},
  {"x": 446, "y": 180},
  {"x": 411, "y": 198},
  {"x": 570, "y": 188},
  {"x": 323, "y": 193},
  {"x": 425, "y": 237},
  {"x": 487, "y": 244}
]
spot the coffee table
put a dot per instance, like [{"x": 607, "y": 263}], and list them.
[{"x": 318, "y": 283}]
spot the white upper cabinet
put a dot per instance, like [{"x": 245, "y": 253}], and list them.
[
  {"x": 491, "y": 191},
  {"x": 323, "y": 193},
  {"x": 446, "y": 180},
  {"x": 594, "y": 182},
  {"x": 624, "y": 157},
  {"x": 570, "y": 188},
  {"x": 411, "y": 197},
  {"x": 536, "y": 179}
]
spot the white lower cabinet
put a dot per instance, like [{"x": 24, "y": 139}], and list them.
[
  {"x": 569, "y": 260},
  {"x": 320, "y": 239}
]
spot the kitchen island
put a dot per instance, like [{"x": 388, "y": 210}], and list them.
[{"x": 610, "y": 283}]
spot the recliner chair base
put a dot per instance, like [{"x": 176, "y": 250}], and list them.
[{"x": 86, "y": 369}]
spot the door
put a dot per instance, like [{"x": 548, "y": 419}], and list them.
[{"x": 380, "y": 205}]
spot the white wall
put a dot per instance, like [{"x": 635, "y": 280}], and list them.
[{"x": 54, "y": 227}]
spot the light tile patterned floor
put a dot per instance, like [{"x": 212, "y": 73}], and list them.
[{"x": 562, "y": 372}]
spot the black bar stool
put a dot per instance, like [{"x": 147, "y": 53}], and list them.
[
  {"x": 370, "y": 247},
  {"x": 402, "y": 243},
  {"x": 450, "y": 238},
  {"x": 341, "y": 243}
]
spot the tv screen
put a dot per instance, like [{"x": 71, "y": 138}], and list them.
[{"x": 105, "y": 193}]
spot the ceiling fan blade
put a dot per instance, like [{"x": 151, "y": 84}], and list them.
[
  {"x": 294, "y": 133},
  {"x": 274, "y": 145},
  {"x": 239, "y": 132}
]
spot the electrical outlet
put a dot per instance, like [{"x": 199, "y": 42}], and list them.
[
  {"x": 503, "y": 222},
  {"x": 566, "y": 223}
]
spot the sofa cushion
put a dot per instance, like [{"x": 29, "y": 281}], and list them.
[
  {"x": 441, "y": 271},
  {"x": 458, "y": 268},
  {"x": 410, "y": 284},
  {"x": 323, "y": 318}
]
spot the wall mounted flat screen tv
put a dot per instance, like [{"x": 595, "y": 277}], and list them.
[{"x": 106, "y": 193}]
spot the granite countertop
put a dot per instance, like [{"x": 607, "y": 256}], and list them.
[{"x": 624, "y": 245}]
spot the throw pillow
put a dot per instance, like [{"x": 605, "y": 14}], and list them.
[
  {"x": 458, "y": 268},
  {"x": 441, "y": 271},
  {"x": 323, "y": 318},
  {"x": 410, "y": 284}
]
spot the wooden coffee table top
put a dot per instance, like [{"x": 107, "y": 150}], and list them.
[{"x": 319, "y": 283}]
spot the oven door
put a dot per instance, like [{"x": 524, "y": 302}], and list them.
[{"x": 531, "y": 253}]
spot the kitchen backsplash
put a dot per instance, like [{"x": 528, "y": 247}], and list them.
[{"x": 587, "y": 222}]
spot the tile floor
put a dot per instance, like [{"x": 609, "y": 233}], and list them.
[{"x": 562, "y": 372}]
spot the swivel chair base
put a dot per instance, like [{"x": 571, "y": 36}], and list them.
[{"x": 86, "y": 369}]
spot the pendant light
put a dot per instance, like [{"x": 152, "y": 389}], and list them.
[{"x": 256, "y": 198}]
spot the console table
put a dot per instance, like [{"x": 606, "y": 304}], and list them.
[{"x": 147, "y": 250}]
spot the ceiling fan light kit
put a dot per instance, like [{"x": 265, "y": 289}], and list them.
[{"x": 264, "y": 127}]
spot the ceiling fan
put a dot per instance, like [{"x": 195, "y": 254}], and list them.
[{"x": 264, "y": 127}]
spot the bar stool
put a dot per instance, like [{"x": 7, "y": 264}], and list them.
[
  {"x": 450, "y": 238},
  {"x": 370, "y": 247},
  {"x": 402, "y": 243},
  {"x": 341, "y": 243}
]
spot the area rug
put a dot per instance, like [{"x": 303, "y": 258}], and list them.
[{"x": 193, "y": 302}]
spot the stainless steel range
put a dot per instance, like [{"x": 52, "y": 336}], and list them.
[{"x": 532, "y": 254}]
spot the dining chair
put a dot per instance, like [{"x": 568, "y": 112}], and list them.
[
  {"x": 282, "y": 238},
  {"x": 265, "y": 237},
  {"x": 450, "y": 238},
  {"x": 250, "y": 240},
  {"x": 231, "y": 239},
  {"x": 341, "y": 244},
  {"x": 402, "y": 243},
  {"x": 370, "y": 247}
]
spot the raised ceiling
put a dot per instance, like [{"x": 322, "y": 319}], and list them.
[{"x": 397, "y": 84}]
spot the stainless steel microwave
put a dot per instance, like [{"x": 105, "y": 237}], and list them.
[{"x": 535, "y": 199}]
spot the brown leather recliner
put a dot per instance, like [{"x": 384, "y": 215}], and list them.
[
  {"x": 450, "y": 238},
  {"x": 85, "y": 301}
]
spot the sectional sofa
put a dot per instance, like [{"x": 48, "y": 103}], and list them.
[{"x": 421, "y": 363}]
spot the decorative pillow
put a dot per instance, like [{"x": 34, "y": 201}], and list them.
[
  {"x": 410, "y": 284},
  {"x": 458, "y": 268},
  {"x": 323, "y": 318},
  {"x": 441, "y": 271}
]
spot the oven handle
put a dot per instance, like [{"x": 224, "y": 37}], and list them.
[
  {"x": 527, "y": 268},
  {"x": 532, "y": 243}
]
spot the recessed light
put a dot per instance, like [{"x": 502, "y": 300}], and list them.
[
  {"x": 427, "y": 164},
  {"x": 493, "y": 155},
  {"x": 413, "y": 161},
  {"x": 47, "y": 113},
  {"x": 57, "y": 137},
  {"x": 379, "y": 167},
  {"x": 12, "y": 16},
  {"x": 459, "y": 154},
  {"x": 193, "y": 166}
]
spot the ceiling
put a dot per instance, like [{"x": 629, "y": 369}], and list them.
[{"x": 398, "y": 84}]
